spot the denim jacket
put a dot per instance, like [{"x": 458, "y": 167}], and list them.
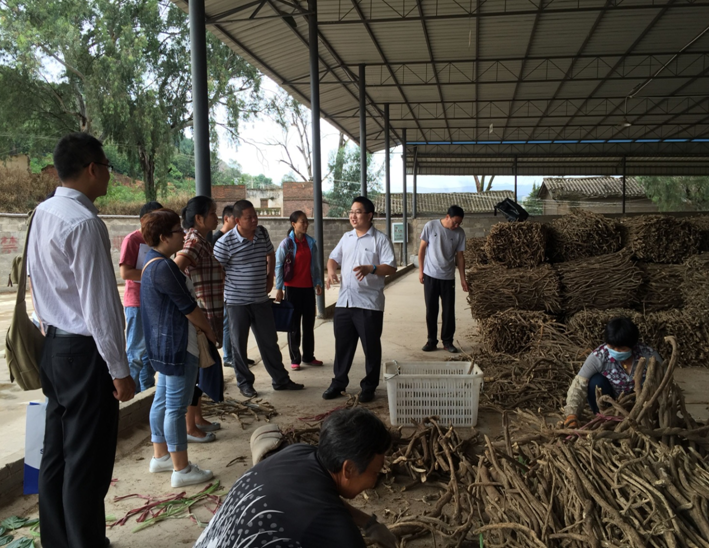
[
  {"x": 165, "y": 302},
  {"x": 281, "y": 258}
]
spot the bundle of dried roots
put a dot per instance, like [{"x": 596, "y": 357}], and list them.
[
  {"x": 243, "y": 411},
  {"x": 587, "y": 327},
  {"x": 494, "y": 289},
  {"x": 582, "y": 234},
  {"x": 690, "y": 331},
  {"x": 514, "y": 331},
  {"x": 602, "y": 282},
  {"x": 695, "y": 287},
  {"x": 701, "y": 224},
  {"x": 662, "y": 239},
  {"x": 517, "y": 244},
  {"x": 475, "y": 254},
  {"x": 662, "y": 287}
]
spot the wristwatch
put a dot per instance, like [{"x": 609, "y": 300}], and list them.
[{"x": 374, "y": 268}]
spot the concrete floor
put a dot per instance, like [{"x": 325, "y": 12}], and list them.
[{"x": 404, "y": 334}]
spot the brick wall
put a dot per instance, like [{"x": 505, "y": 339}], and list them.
[
  {"x": 227, "y": 195},
  {"x": 299, "y": 196}
]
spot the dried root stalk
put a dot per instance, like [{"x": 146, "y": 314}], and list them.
[
  {"x": 661, "y": 288},
  {"x": 582, "y": 234},
  {"x": 494, "y": 289},
  {"x": 690, "y": 330},
  {"x": 588, "y": 326},
  {"x": 662, "y": 239},
  {"x": 475, "y": 254},
  {"x": 517, "y": 244}
]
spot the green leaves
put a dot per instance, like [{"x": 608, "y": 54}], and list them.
[
  {"x": 4, "y": 540},
  {"x": 15, "y": 523},
  {"x": 23, "y": 542}
]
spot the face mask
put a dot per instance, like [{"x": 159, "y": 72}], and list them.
[{"x": 619, "y": 356}]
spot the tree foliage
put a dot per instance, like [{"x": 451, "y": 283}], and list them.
[
  {"x": 344, "y": 167},
  {"x": 120, "y": 69},
  {"x": 677, "y": 192},
  {"x": 532, "y": 203}
]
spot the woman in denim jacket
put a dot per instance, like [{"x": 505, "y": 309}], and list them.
[
  {"x": 170, "y": 315},
  {"x": 301, "y": 289}
]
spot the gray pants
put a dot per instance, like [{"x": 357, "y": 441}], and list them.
[{"x": 258, "y": 318}]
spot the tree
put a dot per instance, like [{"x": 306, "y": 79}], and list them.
[
  {"x": 348, "y": 186},
  {"x": 532, "y": 203},
  {"x": 677, "y": 192},
  {"x": 124, "y": 67},
  {"x": 480, "y": 183}
]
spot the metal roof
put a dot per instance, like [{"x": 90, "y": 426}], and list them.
[
  {"x": 438, "y": 203},
  {"x": 590, "y": 188},
  {"x": 497, "y": 78}
]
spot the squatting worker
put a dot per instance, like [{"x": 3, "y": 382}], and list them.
[
  {"x": 84, "y": 368},
  {"x": 294, "y": 498},
  {"x": 610, "y": 367},
  {"x": 366, "y": 255},
  {"x": 249, "y": 260},
  {"x": 441, "y": 250}
]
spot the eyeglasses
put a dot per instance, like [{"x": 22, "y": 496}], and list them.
[
  {"x": 355, "y": 213},
  {"x": 107, "y": 165}
]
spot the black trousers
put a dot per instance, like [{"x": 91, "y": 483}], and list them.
[
  {"x": 303, "y": 300},
  {"x": 258, "y": 318},
  {"x": 351, "y": 324},
  {"x": 79, "y": 442},
  {"x": 433, "y": 291}
]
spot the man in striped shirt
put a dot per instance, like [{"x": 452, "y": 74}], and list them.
[{"x": 248, "y": 258}]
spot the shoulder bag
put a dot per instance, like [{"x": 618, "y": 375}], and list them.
[{"x": 289, "y": 262}]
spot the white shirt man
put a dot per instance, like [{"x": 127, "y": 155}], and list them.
[
  {"x": 441, "y": 250},
  {"x": 365, "y": 256}
]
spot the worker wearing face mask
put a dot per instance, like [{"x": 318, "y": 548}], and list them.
[{"x": 610, "y": 367}]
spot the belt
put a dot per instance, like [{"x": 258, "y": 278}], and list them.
[{"x": 56, "y": 332}]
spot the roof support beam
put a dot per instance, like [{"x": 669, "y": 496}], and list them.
[
  {"x": 362, "y": 132},
  {"x": 477, "y": 64}
]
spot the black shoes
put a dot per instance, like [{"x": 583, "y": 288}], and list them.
[
  {"x": 332, "y": 393},
  {"x": 248, "y": 391},
  {"x": 452, "y": 349},
  {"x": 366, "y": 396},
  {"x": 290, "y": 385},
  {"x": 429, "y": 347},
  {"x": 250, "y": 361}
]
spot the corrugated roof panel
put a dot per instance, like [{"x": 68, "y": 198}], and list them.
[
  {"x": 619, "y": 29},
  {"x": 401, "y": 41},
  {"x": 677, "y": 27},
  {"x": 505, "y": 36}
]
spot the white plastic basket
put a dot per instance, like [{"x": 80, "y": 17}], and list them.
[{"x": 422, "y": 389}]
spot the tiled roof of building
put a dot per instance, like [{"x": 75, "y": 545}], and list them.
[
  {"x": 591, "y": 188},
  {"x": 438, "y": 203}
]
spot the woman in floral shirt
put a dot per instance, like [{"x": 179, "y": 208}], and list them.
[
  {"x": 197, "y": 260},
  {"x": 610, "y": 367}
]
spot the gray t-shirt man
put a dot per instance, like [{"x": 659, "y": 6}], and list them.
[{"x": 443, "y": 245}]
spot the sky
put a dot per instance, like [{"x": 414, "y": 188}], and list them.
[{"x": 255, "y": 157}]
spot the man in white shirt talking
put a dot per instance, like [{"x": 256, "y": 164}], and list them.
[
  {"x": 365, "y": 256},
  {"x": 84, "y": 368},
  {"x": 441, "y": 251}
]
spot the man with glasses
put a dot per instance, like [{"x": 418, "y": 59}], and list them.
[
  {"x": 441, "y": 250},
  {"x": 84, "y": 368},
  {"x": 365, "y": 256}
]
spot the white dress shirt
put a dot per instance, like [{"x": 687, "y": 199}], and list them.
[
  {"x": 373, "y": 248},
  {"x": 73, "y": 283}
]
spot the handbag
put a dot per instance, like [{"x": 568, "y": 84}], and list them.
[
  {"x": 289, "y": 262},
  {"x": 24, "y": 341},
  {"x": 283, "y": 315},
  {"x": 205, "y": 354}
]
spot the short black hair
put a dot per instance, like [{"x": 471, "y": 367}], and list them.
[
  {"x": 241, "y": 206},
  {"x": 366, "y": 203},
  {"x": 150, "y": 206},
  {"x": 201, "y": 204},
  {"x": 75, "y": 152},
  {"x": 355, "y": 434},
  {"x": 455, "y": 210},
  {"x": 228, "y": 211},
  {"x": 622, "y": 332}
]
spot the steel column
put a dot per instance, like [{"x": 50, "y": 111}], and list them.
[
  {"x": 515, "y": 165},
  {"x": 405, "y": 253},
  {"x": 623, "y": 185},
  {"x": 414, "y": 206},
  {"x": 362, "y": 132},
  {"x": 200, "y": 99},
  {"x": 387, "y": 170},
  {"x": 317, "y": 162}
]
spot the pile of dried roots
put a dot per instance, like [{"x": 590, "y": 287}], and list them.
[
  {"x": 475, "y": 254},
  {"x": 662, "y": 239},
  {"x": 582, "y": 234},
  {"x": 516, "y": 331},
  {"x": 517, "y": 244},
  {"x": 587, "y": 327},
  {"x": 246, "y": 410},
  {"x": 662, "y": 287},
  {"x": 495, "y": 288},
  {"x": 690, "y": 331},
  {"x": 701, "y": 224},
  {"x": 695, "y": 288},
  {"x": 602, "y": 282}
]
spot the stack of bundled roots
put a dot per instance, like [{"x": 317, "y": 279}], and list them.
[
  {"x": 608, "y": 281},
  {"x": 588, "y": 326},
  {"x": 636, "y": 476},
  {"x": 691, "y": 331},
  {"x": 514, "y": 331},
  {"x": 582, "y": 234},
  {"x": 661, "y": 288},
  {"x": 517, "y": 244},
  {"x": 701, "y": 225},
  {"x": 662, "y": 239},
  {"x": 475, "y": 254},
  {"x": 494, "y": 289}
]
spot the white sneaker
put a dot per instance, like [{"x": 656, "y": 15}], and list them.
[
  {"x": 161, "y": 465},
  {"x": 194, "y": 476}
]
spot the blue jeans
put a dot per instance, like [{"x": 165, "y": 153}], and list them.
[
  {"x": 140, "y": 369},
  {"x": 167, "y": 415},
  {"x": 226, "y": 340},
  {"x": 604, "y": 384}
]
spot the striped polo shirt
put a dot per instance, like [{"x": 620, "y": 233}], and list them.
[{"x": 244, "y": 262}]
